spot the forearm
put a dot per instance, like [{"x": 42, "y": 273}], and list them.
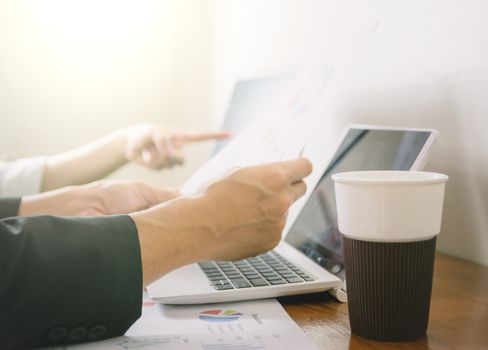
[
  {"x": 172, "y": 235},
  {"x": 85, "y": 164}
]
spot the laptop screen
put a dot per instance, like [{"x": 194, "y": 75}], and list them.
[
  {"x": 315, "y": 231},
  {"x": 251, "y": 99}
]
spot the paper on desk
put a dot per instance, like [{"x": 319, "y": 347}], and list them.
[
  {"x": 281, "y": 135},
  {"x": 261, "y": 324}
]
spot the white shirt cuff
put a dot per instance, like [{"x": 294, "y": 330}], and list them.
[{"x": 21, "y": 177}]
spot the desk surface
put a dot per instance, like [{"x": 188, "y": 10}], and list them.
[{"x": 458, "y": 313}]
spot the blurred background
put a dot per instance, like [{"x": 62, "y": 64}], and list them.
[{"x": 72, "y": 71}]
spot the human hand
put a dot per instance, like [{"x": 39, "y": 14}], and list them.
[
  {"x": 97, "y": 198},
  {"x": 160, "y": 147},
  {"x": 251, "y": 206},
  {"x": 239, "y": 216}
]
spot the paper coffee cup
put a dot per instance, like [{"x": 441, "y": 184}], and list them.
[{"x": 389, "y": 221}]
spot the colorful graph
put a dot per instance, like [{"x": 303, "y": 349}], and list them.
[{"x": 218, "y": 315}]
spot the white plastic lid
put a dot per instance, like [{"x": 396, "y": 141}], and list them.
[{"x": 389, "y": 206}]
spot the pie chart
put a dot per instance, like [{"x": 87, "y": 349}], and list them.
[{"x": 219, "y": 315}]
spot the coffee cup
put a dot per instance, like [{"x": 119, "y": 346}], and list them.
[{"x": 389, "y": 221}]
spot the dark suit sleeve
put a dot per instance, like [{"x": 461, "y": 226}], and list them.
[
  {"x": 67, "y": 280},
  {"x": 9, "y": 207}
]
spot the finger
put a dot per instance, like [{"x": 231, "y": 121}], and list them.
[
  {"x": 163, "y": 144},
  {"x": 195, "y": 136},
  {"x": 177, "y": 161},
  {"x": 166, "y": 151},
  {"x": 165, "y": 194},
  {"x": 177, "y": 157},
  {"x": 156, "y": 195},
  {"x": 297, "y": 168},
  {"x": 298, "y": 189},
  {"x": 152, "y": 158},
  {"x": 170, "y": 162},
  {"x": 138, "y": 158}
]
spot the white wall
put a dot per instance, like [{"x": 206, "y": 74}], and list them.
[
  {"x": 72, "y": 71},
  {"x": 425, "y": 66}
]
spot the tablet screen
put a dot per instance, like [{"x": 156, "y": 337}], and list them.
[{"x": 315, "y": 231}]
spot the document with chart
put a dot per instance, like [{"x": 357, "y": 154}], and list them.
[
  {"x": 279, "y": 135},
  {"x": 250, "y": 325}
]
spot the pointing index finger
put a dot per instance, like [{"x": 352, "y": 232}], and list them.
[{"x": 202, "y": 136}]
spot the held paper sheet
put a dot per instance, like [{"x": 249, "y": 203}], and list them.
[{"x": 281, "y": 135}]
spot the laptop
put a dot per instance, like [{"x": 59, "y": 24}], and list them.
[
  {"x": 252, "y": 98},
  {"x": 309, "y": 258}
]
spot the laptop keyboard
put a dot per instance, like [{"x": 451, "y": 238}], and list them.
[{"x": 263, "y": 270}]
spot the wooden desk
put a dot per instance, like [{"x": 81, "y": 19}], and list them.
[{"x": 458, "y": 313}]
